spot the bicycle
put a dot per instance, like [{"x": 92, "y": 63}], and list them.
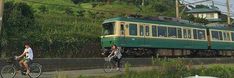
[
  {"x": 111, "y": 65},
  {"x": 9, "y": 70}
]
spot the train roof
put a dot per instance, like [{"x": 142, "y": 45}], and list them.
[
  {"x": 222, "y": 28},
  {"x": 164, "y": 22},
  {"x": 131, "y": 19}
]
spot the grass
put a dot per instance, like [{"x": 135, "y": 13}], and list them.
[{"x": 176, "y": 69}]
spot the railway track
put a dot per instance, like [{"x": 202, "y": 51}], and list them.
[{"x": 55, "y": 64}]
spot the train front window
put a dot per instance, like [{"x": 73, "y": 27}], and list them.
[{"x": 108, "y": 28}]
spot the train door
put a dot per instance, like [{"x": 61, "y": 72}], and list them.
[
  {"x": 142, "y": 35},
  {"x": 147, "y": 34},
  {"x": 187, "y": 34},
  {"x": 123, "y": 34}
]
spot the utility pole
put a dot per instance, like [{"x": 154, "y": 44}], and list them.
[
  {"x": 228, "y": 12},
  {"x": 177, "y": 9},
  {"x": 1, "y": 15}
]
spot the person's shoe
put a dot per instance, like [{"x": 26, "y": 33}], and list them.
[
  {"x": 23, "y": 73},
  {"x": 27, "y": 72},
  {"x": 117, "y": 69}
]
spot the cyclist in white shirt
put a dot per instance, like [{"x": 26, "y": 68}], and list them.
[
  {"x": 27, "y": 57},
  {"x": 115, "y": 55}
]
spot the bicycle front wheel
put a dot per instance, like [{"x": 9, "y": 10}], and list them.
[
  {"x": 108, "y": 67},
  {"x": 8, "y": 71},
  {"x": 35, "y": 70}
]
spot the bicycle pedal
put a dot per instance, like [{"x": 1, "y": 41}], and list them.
[{"x": 23, "y": 73}]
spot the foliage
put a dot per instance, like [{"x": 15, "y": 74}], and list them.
[
  {"x": 67, "y": 28},
  {"x": 201, "y": 20},
  {"x": 190, "y": 17},
  {"x": 81, "y": 13},
  {"x": 19, "y": 23},
  {"x": 43, "y": 9},
  {"x": 175, "y": 68},
  {"x": 69, "y": 11}
]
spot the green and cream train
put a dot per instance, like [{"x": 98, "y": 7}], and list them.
[{"x": 139, "y": 37}]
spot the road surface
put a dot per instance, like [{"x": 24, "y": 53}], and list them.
[{"x": 77, "y": 73}]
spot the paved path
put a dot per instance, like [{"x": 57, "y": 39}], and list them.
[
  {"x": 77, "y": 73},
  {"x": 94, "y": 72}
]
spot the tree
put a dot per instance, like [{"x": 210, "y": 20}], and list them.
[
  {"x": 201, "y": 20},
  {"x": 189, "y": 17},
  {"x": 18, "y": 22}
]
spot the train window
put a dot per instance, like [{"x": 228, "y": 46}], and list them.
[
  {"x": 133, "y": 29},
  {"x": 147, "y": 30},
  {"x": 141, "y": 30},
  {"x": 162, "y": 31},
  {"x": 232, "y": 36},
  {"x": 201, "y": 34},
  {"x": 179, "y": 33},
  {"x": 108, "y": 28},
  {"x": 122, "y": 29},
  {"x": 154, "y": 31},
  {"x": 226, "y": 36},
  {"x": 172, "y": 32},
  {"x": 215, "y": 35},
  {"x": 187, "y": 33},
  {"x": 220, "y": 35},
  {"x": 195, "y": 33}
]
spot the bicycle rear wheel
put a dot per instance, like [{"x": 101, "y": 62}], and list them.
[
  {"x": 122, "y": 66},
  {"x": 35, "y": 70},
  {"x": 8, "y": 71},
  {"x": 108, "y": 67}
]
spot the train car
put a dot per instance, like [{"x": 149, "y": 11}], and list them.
[
  {"x": 222, "y": 40},
  {"x": 140, "y": 37}
]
